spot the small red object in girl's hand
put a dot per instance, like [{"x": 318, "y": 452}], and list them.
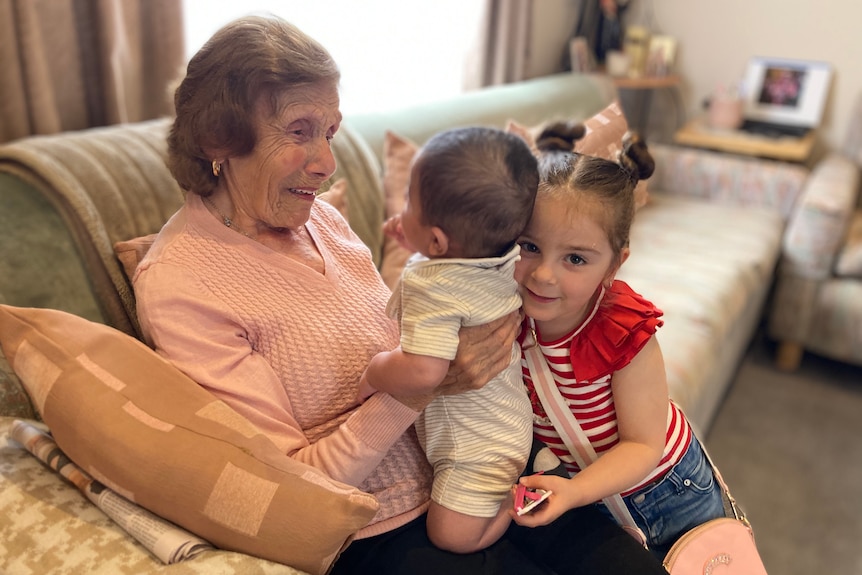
[{"x": 528, "y": 499}]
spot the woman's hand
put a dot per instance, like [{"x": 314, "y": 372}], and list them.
[{"x": 483, "y": 352}]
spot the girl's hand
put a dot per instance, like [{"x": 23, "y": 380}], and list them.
[
  {"x": 483, "y": 352},
  {"x": 555, "y": 505}
]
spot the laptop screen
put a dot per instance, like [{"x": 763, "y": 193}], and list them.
[{"x": 786, "y": 92}]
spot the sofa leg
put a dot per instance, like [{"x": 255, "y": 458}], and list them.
[{"x": 789, "y": 356}]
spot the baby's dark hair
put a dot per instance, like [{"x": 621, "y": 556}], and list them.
[
  {"x": 566, "y": 173},
  {"x": 478, "y": 185}
]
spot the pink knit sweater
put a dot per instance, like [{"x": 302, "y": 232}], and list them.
[{"x": 285, "y": 346}]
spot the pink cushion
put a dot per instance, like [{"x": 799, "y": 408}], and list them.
[{"x": 398, "y": 153}]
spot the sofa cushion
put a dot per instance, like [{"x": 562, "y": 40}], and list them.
[
  {"x": 358, "y": 165},
  {"x": 604, "y": 139},
  {"x": 338, "y": 198},
  {"x": 700, "y": 263},
  {"x": 525, "y": 133},
  {"x": 142, "y": 428},
  {"x": 398, "y": 153},
  {"x": 849, "y": 263},
  {"x": 131, "y": 252}
]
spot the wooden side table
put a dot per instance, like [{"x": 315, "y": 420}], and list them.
[{"x": 696, "y": 133}]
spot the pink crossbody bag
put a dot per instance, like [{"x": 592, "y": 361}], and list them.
[{"x": 723, "y": 546}]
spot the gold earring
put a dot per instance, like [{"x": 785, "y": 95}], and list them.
[{"x": 216, "y": 168}]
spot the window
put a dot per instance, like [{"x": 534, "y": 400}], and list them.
[{"x": 391, "y": 53}]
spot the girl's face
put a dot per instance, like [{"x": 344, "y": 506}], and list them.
[{"x": 565, "y": 257}]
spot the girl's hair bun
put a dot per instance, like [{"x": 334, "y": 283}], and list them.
[
  {"x": 635, "y": 156},
  {"x": 560, "y": 136}
]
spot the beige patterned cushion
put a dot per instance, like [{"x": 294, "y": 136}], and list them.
[
  {"x": 139, "y": 426},
  {"x": 849, "y": 262}
]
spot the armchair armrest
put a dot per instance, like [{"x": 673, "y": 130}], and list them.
[
  {"x": 814, "y": 235},
  {"x": 818, "y": 225},
  {"x": 726, "y": 178}
]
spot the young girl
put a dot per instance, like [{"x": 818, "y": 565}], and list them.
[{"x": 597, "y": 335}]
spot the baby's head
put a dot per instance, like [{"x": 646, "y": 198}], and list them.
[
  {"x": 471, "y": 193},
  {"x": 603, "y": 187}
]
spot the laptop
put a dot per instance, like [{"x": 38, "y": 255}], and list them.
[{"x": 784, "y": 97}]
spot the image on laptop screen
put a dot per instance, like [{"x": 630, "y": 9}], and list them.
[{"x": 784, "y": 97}]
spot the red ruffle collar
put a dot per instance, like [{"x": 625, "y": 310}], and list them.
[{"x": 618, "y": 327}]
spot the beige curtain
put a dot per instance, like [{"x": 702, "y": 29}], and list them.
[
  {"x": 503, "y": 49},
  {"x": 73, "y": 64}
]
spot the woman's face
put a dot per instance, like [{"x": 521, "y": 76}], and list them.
[
  {"x": 275, "y": 184},
  {"x": 565, "y": 256}
]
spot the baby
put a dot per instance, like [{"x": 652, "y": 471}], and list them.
[{"x": 470, "y": 196}]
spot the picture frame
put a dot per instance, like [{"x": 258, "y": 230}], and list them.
[
  {"x": 661, "y": 55},
  {"x": 581, "y": 56}
]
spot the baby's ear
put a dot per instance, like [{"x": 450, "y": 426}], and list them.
[{"x": 439, "y": 243}]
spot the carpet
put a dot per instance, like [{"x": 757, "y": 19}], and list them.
[{"x": 789, "y": 446}]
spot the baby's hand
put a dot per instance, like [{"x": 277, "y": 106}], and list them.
[{"x": 392, "y": 228}]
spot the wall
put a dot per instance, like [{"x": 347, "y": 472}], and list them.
[
  {"x": 553, "y": 22},
  {"x": 717, "y": 38}
]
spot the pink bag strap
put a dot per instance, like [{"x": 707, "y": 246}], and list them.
[
  {"x": 568, "y": 427},
  {"x": 579, "y": 444}
]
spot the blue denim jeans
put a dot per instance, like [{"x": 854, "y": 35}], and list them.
[{"x": 687, "y": 496}]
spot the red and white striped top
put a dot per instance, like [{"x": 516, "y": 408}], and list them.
[{"x": 609, "y": 338}]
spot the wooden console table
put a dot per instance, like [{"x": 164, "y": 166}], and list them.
[{"x": 696, "y": 133}]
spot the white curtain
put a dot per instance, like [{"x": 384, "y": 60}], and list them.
[{"x": 503, "y": 47}]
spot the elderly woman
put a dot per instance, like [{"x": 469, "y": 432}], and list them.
[{"x": 264, "y": 296}]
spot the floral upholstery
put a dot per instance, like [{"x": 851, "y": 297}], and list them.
[
  {"x": 728, "y": 179},
  {"x": 849, "y": 262},
  {"x": 704, "y": 289},
  {"x": 68, "y": 534}
]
